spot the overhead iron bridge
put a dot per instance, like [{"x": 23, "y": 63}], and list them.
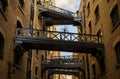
[
  {"x": 66, "y": 62},
  {"x": 57, "y": 41},
  {"x": 53, "y": 15}
]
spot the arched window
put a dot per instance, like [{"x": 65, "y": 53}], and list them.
[
  {"x": 21, "y": 3},
  {"x": 88, "y": 8},
  {"x": 3, "y": 5},
  {"x": 97, "y": 14},
  {"x": 1, "y": 46},
  {"x": 36, "y": 70},
  {"x": 90, "y": 28},
  {"x": 117, "y": 49},
  {"x": 93, "y": 71},
  {"x": 19, "y": 25},
  {"x": 115, "y": 16}
]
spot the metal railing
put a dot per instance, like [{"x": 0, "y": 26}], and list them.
[
  {"x": 63, "y": 60},
  {"x": 57, "y": 9},
  {"x": 55, "y": 35}
]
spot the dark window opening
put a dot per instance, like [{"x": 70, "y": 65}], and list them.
[
  {"x": 21, "y": 2},
  {"x": 30, "y": 53},
  {"x": 97, "y": 15},
  {"x": 18, "y": 53},
  {"x": 94, "y": 71},
  {"x": 36, "y": 70},
  {"x": 3, "y": 4},
  {"x": 102, "y": 65},
  {"x": 88, "y": 7},
  {"x": 19, "y": 25},
  {"x": 90, "y": 28},
  {"x": 117, "y": 49},
  {"x": 115, "y": 16},
  {"x": 1, "y": 46},
  {"x": 16, "y": 59},
  {"x": 37, "y": 52},
  {"x": 99, "y": 33}
]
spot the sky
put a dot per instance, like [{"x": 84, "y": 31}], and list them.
[{"x": 71, "y": 5}]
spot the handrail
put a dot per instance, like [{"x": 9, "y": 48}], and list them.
[
  {"x": 62, "y": 61},
  {"x": 57, "y": 9},
  {"x": 68, "y": 56},
  {"x": 55, "y": 35}
]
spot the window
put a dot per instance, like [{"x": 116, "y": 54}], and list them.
[
  {"x": 19, "y": 25},
  {"x": 115, "y": 16},
  {"x": 88, "y": 7},
  {"x": 90, "y": 28},
  {"x": 30, "y": 53},
  {"x": 1, "y": 46},
  {"x": 36, "y": 70},
  {"x": 94, "y": 71},
  {"x": 97, "y": 15},
  {"x": 21, "y": 2},
  {"x": 3, "y": 4},
  {"x": 117, "y": 49},
  {"x": 102, "y": 64},
  {"x": 37, "y": 52}
]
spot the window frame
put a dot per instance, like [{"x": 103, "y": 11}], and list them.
[
  {"x": 117, "y": 50},
  {"x": 21, "y": 3},
  {"x": 93, "y": 71},
  {"x": 1, "y": 46},
  {"x": 90, "y": 27},
  {"x": 3, "y": 5},
  {"x": 97, "y": 13},
  {"x": 88, "y": 8},
  {"x": 115, "y": 17},
  {"x": 36, "y": 70}
]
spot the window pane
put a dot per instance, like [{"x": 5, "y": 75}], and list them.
[
  {"x": 115, "y": 15},
  {"x": 117, "y": 48}
]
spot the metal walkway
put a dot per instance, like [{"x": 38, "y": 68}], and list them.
[
  {"x": 57, "y": 16},
  {"x": 58, "y": 41},
  {"x": 26, "y": 39},
  {"x": 63, "y": 65}
]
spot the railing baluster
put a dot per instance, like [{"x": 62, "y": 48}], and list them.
[
  {"x": 57, "y": 9},
  {"x": 66, "y": 36}
]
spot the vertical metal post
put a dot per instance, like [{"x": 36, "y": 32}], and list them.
[{"x": 87, "y": 60}]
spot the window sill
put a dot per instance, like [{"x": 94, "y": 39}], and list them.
[
  {"x": 117, "y": 66},
  {"x": 4, "y": 15},
  {"x": 21, "y": 9},
  {"x": 117, "y": 24}
]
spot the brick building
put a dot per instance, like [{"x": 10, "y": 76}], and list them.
[{"x": 102, "y": 18}]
